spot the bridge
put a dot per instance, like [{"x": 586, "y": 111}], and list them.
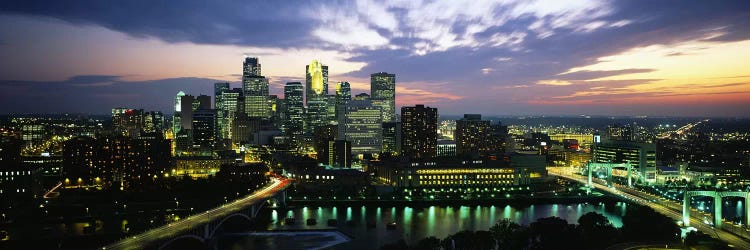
[
  {"x": 735, "y": 236},
  {"x": 204, "y": 226},
  {"x": 717, "y": 195},
  {"x": 609, "y": 168}
]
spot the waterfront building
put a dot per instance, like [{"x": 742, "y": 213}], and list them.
[{"x": 419, "y": 132}]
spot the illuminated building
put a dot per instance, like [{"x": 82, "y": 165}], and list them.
[
  {"x": 362, "y": 97},
  {"x": 222, "y": 113},
  {"x": 336, "y": 153},
  {"x": 361, "y": 125},
  {"x": 177, "y": 115},
  {"x": 642, "y": 156},
  {"x": 127, "y": 122},
  {"x": 446, "y": 148},
  {"x": 392, "y": 138},
  {"x": 227, "y": 110},
  {"x": 316, "y": 84},
  {"x": 419, "y": 132},
  {"x": 471, "y": 135},
  {"x": 204, "y": 130},
  {"x": 321, "y": 137},
  {"x": 294, "y": 123},
  {"x": 383, "y": 89},
  {"x": 255, "y": 89},
  {"x": 316, "y": 81},
  {"x": 482, "y": 176}
]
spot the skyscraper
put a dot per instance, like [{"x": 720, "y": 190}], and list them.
[
  {"x": 221, "y": 114},
  {"x": 343, "y": 95},
  {"x": 250, "y": 67},
  {"x": 472, "y": 135},
  {"x": 177, "y": 115},
  {"x": 315, "y": 96},
  {"x": 419, "y": 132},
  {"x": 392, "y": 138},
  {"x": 361, "y": 124},
  {"x": 294, "y": 124},
  {"x": 230, "y": 100},
  {"x": 316, "y": 75},
  {"x": 255, "y": 89},
  {"x": 383, "y": 88}
]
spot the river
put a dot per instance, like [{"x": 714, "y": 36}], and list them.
[{"x": 415, "y": 223}]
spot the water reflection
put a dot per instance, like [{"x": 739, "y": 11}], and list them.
[{"x": 415, "y": 223}]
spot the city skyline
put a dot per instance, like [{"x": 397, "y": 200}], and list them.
[{"x": 516, "y": 58}]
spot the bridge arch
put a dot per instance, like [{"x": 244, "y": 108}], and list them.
[
  {"x": 717, "y": 195},
  {"x": 221, "y": 223},
  {"x": 186, "y": 236}
]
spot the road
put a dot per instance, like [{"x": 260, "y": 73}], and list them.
[
  {"x": 174, "y": 229},
  {"x": 662, "y": 207}
]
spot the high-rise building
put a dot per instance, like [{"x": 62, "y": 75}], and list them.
[
  {"x": 419, "y": 132},
  {"x": 177, "y": 115},
  {"x": 227, "y": 111},
  {"x": 255, "y": 90},
  {"x": 251, "y": 67},
  {"x": 204, "y": 130},
  {"x": 472, "y": 135},
  {"x": 392, "y": 138},
  {"x": 294, "y": 124},
  {"x": 221, "y": 114},
  {"x": 127, "y": 122},
  {"x": 316, "y": 75},
  {"x": 316, "y": 81},
  {"x": 343, "y": 95},
  {"x": 322, "y": 136},
  {"x": 361, "y": 124},
  {"x": 383, "y": 88},
  {"x": 337, "y": 153}
]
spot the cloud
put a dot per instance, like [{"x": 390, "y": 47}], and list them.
[
  {"x": 86, "y": 94},
  {"x": 554, "y": 82}
]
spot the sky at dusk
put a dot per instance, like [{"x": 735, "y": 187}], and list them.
[{"x": 677, "y": 58}]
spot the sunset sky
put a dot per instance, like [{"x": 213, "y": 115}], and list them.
[{"x": 678, "y": 58}]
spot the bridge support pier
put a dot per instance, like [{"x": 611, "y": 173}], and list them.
[
  {"x": 717, "y": 211},
  {"x": 686, "y": 209}
]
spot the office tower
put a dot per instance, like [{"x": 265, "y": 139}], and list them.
[
  {"x": 362, "y": 97},
  {"x": 343, "y": 95},
  {"x": 316, "y": 81},
  {"x": 498, "y": 137},
  {"x": 419, "y": 132},
  {"x": 343, "y": 92},
  {"x": 331, "y": 117},
  {"x": 127, "y": 122},
  {"x": 202, "y": 102},
  {"x": 221, "y": 115},
  {"x": 316, "y": 84},
  {"x": 641, "y": 156},
  {"x": 204, "y": 129},
  {"x": 250, "y": 67},
  {"x": 186, "y": 107},
  {"x": 294, "y": 100},
  {"x": 337, "y": 153},
  {"x": 227, "y": 111},
  {"x": 153, "y": 122},
  {"x": 392, "y": 138},
  {"x": 361, "y": 124},
  {"x": 255, "y": 89},
  {"x": 177, "y": 115},
  {"x": 472, "y": 135},
  {"x": 383, "y": 89},
  {"x": 321, "y": 137}
]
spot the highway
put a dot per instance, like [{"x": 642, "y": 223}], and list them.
[
  {"x": 673, "y": 210},
  {"x": 143, "y": 240}
]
